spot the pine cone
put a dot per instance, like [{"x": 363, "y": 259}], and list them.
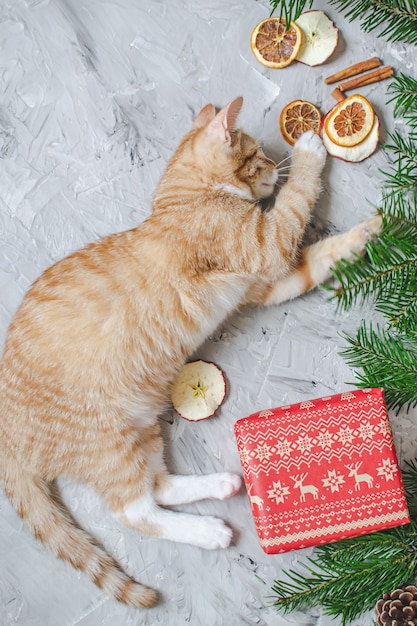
[{"x": 397, "y": 608}]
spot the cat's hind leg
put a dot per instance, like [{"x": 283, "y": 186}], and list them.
[
  {"x": 134, "y": 495},
  {"x": 173, "y": 489},
  {"x": 170, "y": 489},
  {"x": 315, "y": 261},
  {"x": 148, "y": 517}
]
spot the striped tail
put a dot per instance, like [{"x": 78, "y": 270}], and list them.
[{"x": 39, "y": 505}]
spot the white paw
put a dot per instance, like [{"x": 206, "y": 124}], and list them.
[
  {"x": 214, "y": 534},
  {"x": 311, "y": 142},
  {"x": 225, "y": 485}
]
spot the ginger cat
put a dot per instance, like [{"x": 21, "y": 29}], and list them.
[{"x": 77, "y": 392}]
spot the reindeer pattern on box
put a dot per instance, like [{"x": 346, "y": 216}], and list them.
[{"x": 321, "y": 470}]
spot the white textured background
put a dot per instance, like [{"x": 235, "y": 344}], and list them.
[{"x": 94, "y": 96}]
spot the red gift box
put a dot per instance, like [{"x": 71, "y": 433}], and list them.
[{"x": 321, "y": 471}]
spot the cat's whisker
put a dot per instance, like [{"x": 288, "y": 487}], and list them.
[{"x": 283, "y": 161}]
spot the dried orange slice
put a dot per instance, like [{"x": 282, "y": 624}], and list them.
[
  {"x": 297, "y": 118},
  {"x": 273, "y": 45},
  {"x": 350, "y": 121},
  {"x": 354, "y": 154}
]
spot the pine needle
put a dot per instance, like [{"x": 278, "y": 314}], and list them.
[
  {"x": 403, "y": 179},
  {"x": 347, "y": 578},
  {"x": 399, "y": 18},
  {"x": 290, "y": 9},
  {"x": 386, "y": 360},
  {"x": 404, "y": 93},
  {"x": 390, "y": 268},
  {"x": 400, "y": 310}
]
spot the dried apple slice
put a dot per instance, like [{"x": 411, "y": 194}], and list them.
[
  {"x": 198, "y": 390},
  {"x": 319, "y": 38},
  {"x": 298, "y": 117},
  {"x": 350, "y": 121},
  {"x": 357, "y": 153},
  {"x": 273, "y": 45}
]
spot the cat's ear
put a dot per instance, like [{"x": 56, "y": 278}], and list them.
[
  {"x": 205, "y": 116},
  {"x": 225, "y": 121}
]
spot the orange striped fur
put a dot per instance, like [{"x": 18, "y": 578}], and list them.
[{"x": 79, "y": 392}]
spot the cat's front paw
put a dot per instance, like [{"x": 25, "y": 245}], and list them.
[
  {"x": 215, "y": 534},
  {"x": 359, "y": 235},
  {"x": 371, "y": 227},
  {"x": 311, "y": 142},
  {"x": 225, "y": 485}
]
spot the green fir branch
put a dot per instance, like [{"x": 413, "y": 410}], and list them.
[
  {"x": 403, "y": 178},
  {"x": 386, "y": 360},
  {"x": 399, "y": 216},
  {"x": 389, "y": 268},
  {"x": 393, "y": 263},
  {"x": 399, "y": 306},
  {"x": 290, "y": 9},
  {"x": 368, "y": 564},
  {"x": 411, "y": 121},
  {"x": 388, "y": 276},
  {"x": 357, "y": 282},
  {"x": 403, "y": 90},
  {"x": 349, "y": 577},
  {"x": 400, "y": 310},
  {"x": 399, "y": 18}
]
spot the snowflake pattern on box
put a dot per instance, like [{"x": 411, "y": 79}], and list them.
[{"x": 321, "y": 471}]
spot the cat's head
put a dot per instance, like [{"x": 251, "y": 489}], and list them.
[{"x": 226, "y": 156}]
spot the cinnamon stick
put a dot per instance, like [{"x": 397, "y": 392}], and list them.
[
  {"x": 338, "y": 94},
  {"x": 367, "y": 79},
  {"x": 352, "y": 70}
]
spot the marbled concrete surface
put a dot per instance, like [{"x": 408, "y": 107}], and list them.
[{"x": 94, "y": 96}]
